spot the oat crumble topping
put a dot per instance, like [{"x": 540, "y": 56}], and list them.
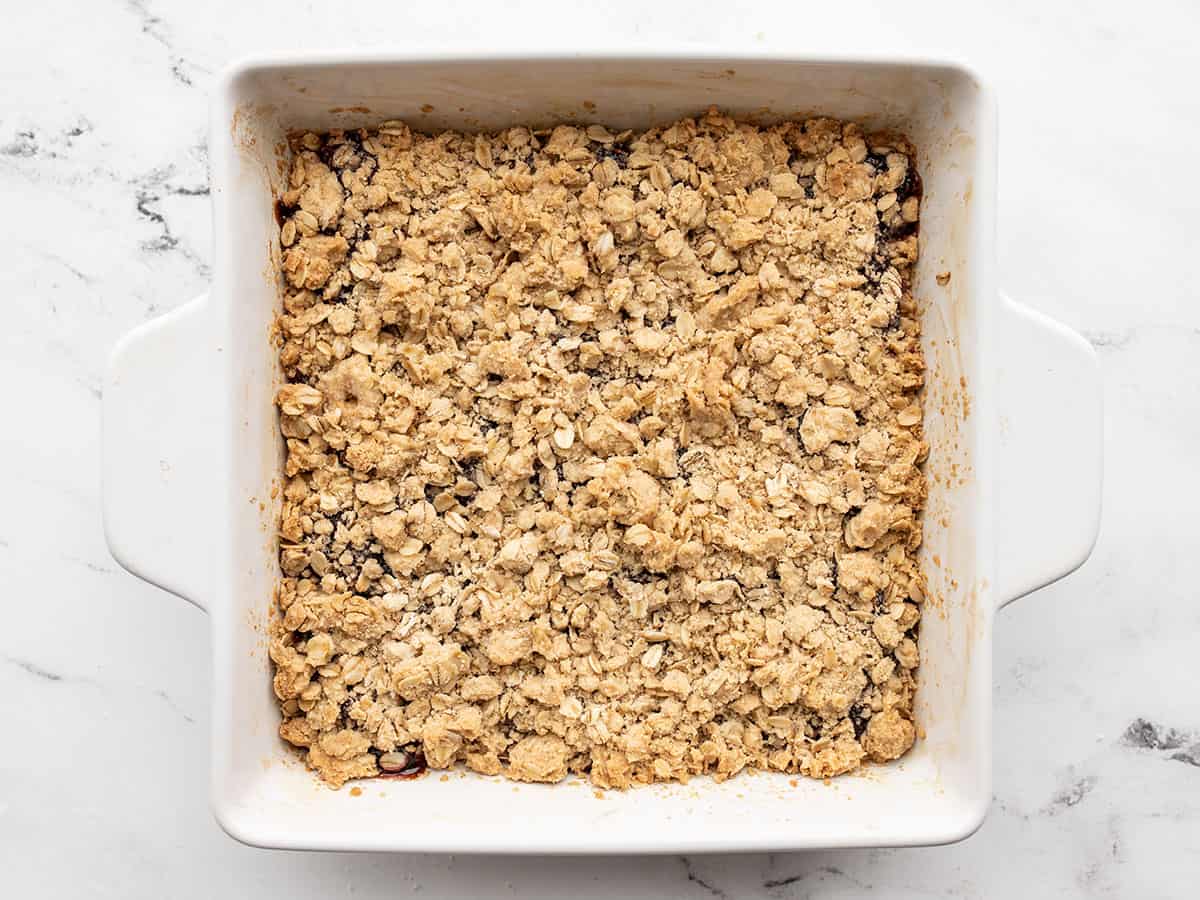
[{"x": 603, "y": 451}]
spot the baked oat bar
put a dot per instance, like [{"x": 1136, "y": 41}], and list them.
[{"x": 603, "y": 451}]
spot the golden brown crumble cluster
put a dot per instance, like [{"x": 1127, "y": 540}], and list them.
[{"x": 602, "y": 451}]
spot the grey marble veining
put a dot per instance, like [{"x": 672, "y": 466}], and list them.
[{"x": 104, "y": 223}]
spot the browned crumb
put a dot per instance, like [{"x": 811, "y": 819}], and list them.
[{"x": 602, "y": 450}]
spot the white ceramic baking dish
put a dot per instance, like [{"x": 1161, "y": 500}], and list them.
[{"x": 191, "y": 453}]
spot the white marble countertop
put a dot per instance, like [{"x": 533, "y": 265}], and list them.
[{"x": 105, "y": 223}]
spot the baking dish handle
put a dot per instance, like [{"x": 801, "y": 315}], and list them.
[
  {"x": 156, "y": 446},
  {"x": 1050, "y": 459}
]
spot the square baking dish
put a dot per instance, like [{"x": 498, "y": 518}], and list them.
[{"x": 192, "y": 453}]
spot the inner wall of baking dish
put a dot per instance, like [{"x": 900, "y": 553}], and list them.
[{"x": 258, "y": 779}]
